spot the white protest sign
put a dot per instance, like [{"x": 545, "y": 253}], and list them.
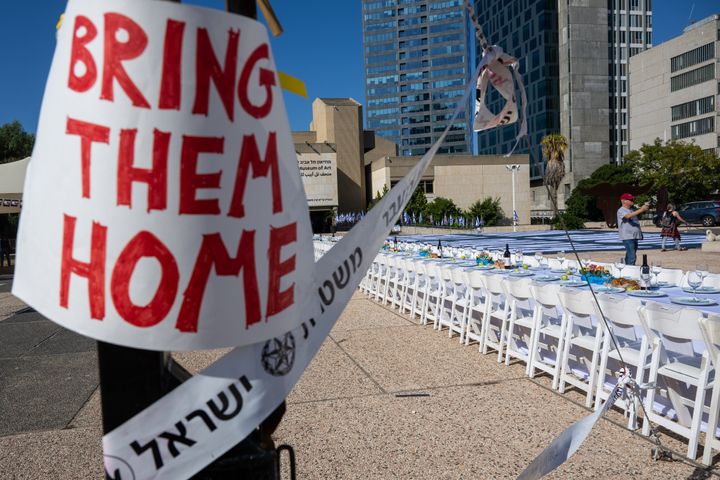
[
  {"x": 209, "y": 413},
  {"x": 163, "y": 208}
]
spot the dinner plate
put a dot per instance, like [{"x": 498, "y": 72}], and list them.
[
  {"x": 703, "y": 290},
  {"x": 604, "y": 289},
  {"x": 573, "y": 283},
  {"x": 690, "y": 301},
  {"x": 559, "y": 270},
  {"x": 546, "y": 278},
  {"x": 500, "y": 271},
  {"x": 646, "y": 293},
  {"x": 664, "y": 285},
  {"x": 521, "y": 273}
]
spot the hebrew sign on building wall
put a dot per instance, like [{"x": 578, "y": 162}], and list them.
[{"x": 319, "y": 177}]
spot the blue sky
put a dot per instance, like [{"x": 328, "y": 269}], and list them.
[{"x": 322, "y": 45}]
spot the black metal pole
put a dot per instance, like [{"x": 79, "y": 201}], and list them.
[{"x": 132, "y": 379}]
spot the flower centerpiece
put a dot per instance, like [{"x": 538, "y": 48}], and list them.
[
  {"x": 484, "y": 259},
  {"x": 594, "y": 273}
]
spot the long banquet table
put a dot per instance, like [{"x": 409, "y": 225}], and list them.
[{"x": 669, "y": 292}]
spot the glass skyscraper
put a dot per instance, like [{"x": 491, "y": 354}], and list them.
[
  {"x": 416, "y": 55},
  {"x": 528, "y": 30}
]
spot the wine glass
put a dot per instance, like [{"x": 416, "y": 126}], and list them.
[
  {"x": 544, "y": 265},
  {"x": 606, "y": 276},
  {"x": 571, "y": 270},
  {"x": 520, "y": 257},
  {"x": 702, "y": 271},
  {"x": 695, "y": 280},
  {"x": 620, "y": 265},
  {"x": 585, "y": 262},
  {"x": 561, "y": 258},
  {"x": 538, "y": 257},
  {"x": 656, "y": 270}
]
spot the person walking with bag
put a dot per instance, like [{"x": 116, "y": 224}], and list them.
[{"x": 669, "y": 222}]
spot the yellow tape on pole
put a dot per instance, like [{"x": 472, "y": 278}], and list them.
[{"x": 292, "y": 84}]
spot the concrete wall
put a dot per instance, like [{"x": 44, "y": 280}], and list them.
[
  {"x": 339, "y": 122},
  {"x": 465, "y": 179},
  {"x": 651, "y": 100},
  {"x": 584, "y": 110}
]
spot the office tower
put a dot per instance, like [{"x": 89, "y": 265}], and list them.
[
  {"x": 526, "y": 29},
  {"x": 573, "y": 57},
  {"x": 629, "y": 33},
  {"x": 416, "y": 56},
  {"x": 673, "y": 89}
]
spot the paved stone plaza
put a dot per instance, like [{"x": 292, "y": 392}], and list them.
[{"x": 347, "y": 417}]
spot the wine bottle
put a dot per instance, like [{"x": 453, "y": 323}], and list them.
[
  {"x": 440, "y": 247},
  {"x": 506, "y": 257},
  {"x": 645, "y": 274}
]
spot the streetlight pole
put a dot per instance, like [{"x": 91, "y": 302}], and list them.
[{"x": 513, "y": 169}]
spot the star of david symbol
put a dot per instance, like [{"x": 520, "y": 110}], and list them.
[{"x": 278, "y": 355}]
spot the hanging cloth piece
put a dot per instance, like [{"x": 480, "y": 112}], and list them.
[{"x": 496, "y": 72}]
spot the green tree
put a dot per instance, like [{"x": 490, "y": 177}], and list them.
[
  {"x": 487, "y": 209},
  {"x": 553, "y": 148},
  {"x": 378, "y": 196},
  {"x": 688, "y": 172},
  {"x": 418, "y": 203},
  {"x": 15, "y": 142},
  {"x": 441, "y": 207},
  {"x": 583, "y": 206},
  {"x": 567, "y": 220}
]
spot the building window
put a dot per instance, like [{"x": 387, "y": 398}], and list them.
[
  {"x": 693, "y": 57},
  {"x": 694, "y": 108},
  {"x": 692, "y": 129},
  {"x": 426, "y": 186},
  {"x": 693, "y": 77}
]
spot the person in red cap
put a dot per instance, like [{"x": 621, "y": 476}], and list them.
[{"x": 629, "y": 226}]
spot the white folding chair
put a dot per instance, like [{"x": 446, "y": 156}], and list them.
[
  {"x": 583, "y": 332},
  {"x": 444, "y": 313},
  {"x": 522, "y": 316},
  {"x": 391, "y": 280},
  {"x": 433, "y": 294},
  {"x": 711, "y": 331},
  {"x": 420, "y": 288},
  {"x": 497, "y": 311},
  {"x": 673, "y": 331},
  {"x": 399, "y": 282},
  {"x": 475, "y": 316},
  {"x": 673, "y": 276},
  {"x": 549, "y": 326},
  {"x": 460, "y": 301},
  {"x": 409, "y": 286},
  {"x": 378, "y": 285},
  {"x": 631, "y": 271},
  {"x": 622, "y": 317},
  {"x": 712, "y": 280}
]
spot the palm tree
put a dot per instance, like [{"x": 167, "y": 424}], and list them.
[{"x": 553, "y": 149}]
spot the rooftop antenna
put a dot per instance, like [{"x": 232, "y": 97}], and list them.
[{"x": 690, "y": 22}]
